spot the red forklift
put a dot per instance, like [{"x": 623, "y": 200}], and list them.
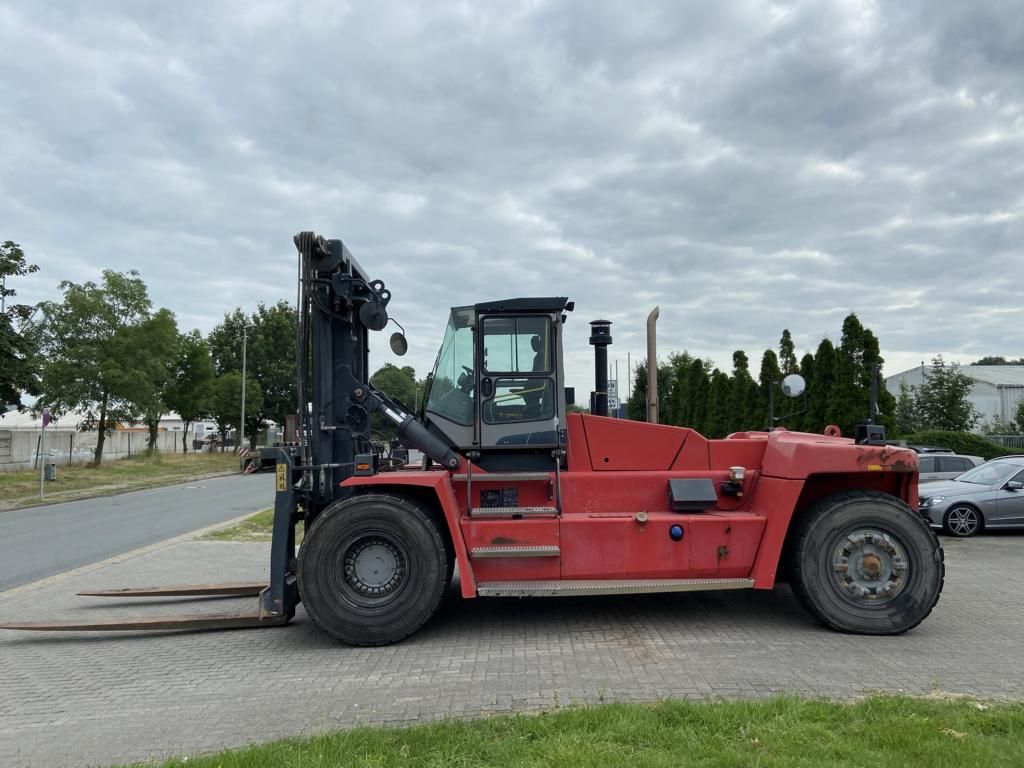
[{"x": 527, "y": 500}]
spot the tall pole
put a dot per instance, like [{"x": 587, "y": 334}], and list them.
[
  {"x": 42, "y": 461},
  {"x": 241, "y": 426},
  {"x": 42, "y": 451},
  {"x": 652, "y": 367},
  {"x": 629, "y": 377}
]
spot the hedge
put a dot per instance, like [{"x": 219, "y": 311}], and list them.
[{"x": 960, "y": 442}]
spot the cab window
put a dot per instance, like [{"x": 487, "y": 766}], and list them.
[
  {"x": 451, "y": 389},
  {"x": 517, "y": 345},
  {"x": 520, "y": 400}
]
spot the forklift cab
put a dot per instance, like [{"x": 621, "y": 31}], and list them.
[{"x": 497, "y": 385}]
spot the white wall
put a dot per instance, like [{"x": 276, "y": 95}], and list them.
[{"x": 990, "y": 400}]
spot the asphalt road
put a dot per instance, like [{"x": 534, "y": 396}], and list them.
[{"x": 42, "y": 541}]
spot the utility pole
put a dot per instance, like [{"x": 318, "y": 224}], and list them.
[
  {"x": 241, "y": 426},
  {"x": 629, "y": 377},
  {"x": 42, "y": 452}
]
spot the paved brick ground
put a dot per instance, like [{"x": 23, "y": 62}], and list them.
[{"x": 95, "y": 700}]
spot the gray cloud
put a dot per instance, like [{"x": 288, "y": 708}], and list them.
[{"x": 747, "y": 167}]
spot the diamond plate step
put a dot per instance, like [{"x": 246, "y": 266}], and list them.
[
  {"x": 512, "y": 512},
  {"x": 516, "y": 551},
  {"x": 602, "y": 587},
  {"x": 500, "y": 477}
]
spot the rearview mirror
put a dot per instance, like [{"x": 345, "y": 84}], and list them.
[
  {"x": 1014, "y": 485},
  {"x": 398, "y": 344},
  {"x": 793, "y": 385}
]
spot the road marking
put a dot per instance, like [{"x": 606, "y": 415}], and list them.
[{"x": 131, "y": 554}]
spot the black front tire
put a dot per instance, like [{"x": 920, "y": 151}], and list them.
[
  {"x": 863, "y": 562},
  {"x": 373, "y": 569}
]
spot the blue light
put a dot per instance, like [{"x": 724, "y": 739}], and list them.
[{"x": 676, "y": 532}]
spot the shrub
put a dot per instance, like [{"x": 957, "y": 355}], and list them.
[{"x": 960, "y": 442}]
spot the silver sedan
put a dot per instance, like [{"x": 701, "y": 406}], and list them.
[{"x": 990, "y": 496}]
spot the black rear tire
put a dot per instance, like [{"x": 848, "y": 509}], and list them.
[
  {"x": 373, "y": 569},
  {"x": 863, "y": 562}
]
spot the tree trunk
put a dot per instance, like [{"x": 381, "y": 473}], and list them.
[
  {"x": 102, "y": 436},
  {"x": 153, "y": 425},
  {"x": 223, "y": 440},
  {"x": 184, "y": 437}
]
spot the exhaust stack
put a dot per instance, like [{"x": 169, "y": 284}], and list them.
[
  {"x": 600, "y": 337},
  {"x": 652, "y": 367}
]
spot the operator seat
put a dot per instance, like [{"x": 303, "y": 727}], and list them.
[{"x": 540, "y": 364}]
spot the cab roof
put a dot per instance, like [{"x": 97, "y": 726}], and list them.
[{"x": 540, "y": 304}]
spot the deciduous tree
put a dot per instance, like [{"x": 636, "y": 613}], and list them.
[
  {"x": 18, "y": 363},
  {"x": 157, "y": 340},
  {"x": 908, "y": 420},
  {"x": 226, "y": 402},
  {"x": 96, "y": 345},
  {"x": 270, "y": 356},
  {"x": 942, "y": 398},
  {"x": 189, "y": 390}
]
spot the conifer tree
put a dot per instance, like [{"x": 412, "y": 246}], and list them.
[
  {"x": 767, "y": 379},
  {"x": 819, "y": 387},
  {"x": 718, "y": 405},
  {"x": 699, "y": 386},
  {"x": 787, "y": 353},
  {"x": 744, "y": 398}
]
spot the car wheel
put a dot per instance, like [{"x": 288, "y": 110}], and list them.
[{"x": 962, "y": 521}]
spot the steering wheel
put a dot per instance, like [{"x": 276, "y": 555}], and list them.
[{"x": 466, "y": 380}]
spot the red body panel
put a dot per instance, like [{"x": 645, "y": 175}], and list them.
[
  {"x": 619, "y": 469},
  {"x": 509, "y": 533}
]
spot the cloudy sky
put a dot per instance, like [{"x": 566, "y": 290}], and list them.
[{"x": 746, "y": 166}]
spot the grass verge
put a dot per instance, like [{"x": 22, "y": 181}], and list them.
[
  {"x": 768, "y": 733},
  {"x": 256, "y": 527},
  {"x": 78, "y": 481}
]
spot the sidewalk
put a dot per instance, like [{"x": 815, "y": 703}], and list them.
[{"x": 78, "y": 699}]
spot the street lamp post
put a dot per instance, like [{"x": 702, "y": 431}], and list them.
[{"x": 241, "y": 426}]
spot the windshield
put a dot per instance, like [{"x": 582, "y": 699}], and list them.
[
  {"x": 989, "y": 473},
  {"x": 451, "y": 391}
]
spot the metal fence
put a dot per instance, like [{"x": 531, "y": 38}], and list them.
[{"x": 1008, "y": 441}]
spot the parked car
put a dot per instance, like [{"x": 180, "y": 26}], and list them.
[
  {"x": 945, "y": 466},
  {"x": 989, "y": 496}
]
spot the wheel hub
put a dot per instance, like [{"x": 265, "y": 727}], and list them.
[
  {"x": 962, "y": 521},
  {"x": 870, "y": 566},
  {"x": 374, "y": 567}
]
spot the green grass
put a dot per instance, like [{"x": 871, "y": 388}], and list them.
[
  {"x": 773, "y": 733},
  {"x": 21, "y": 489},
  {"x": 256, "y": 527}
]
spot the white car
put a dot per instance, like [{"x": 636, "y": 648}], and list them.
[{"x": 945, "y": 466}]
